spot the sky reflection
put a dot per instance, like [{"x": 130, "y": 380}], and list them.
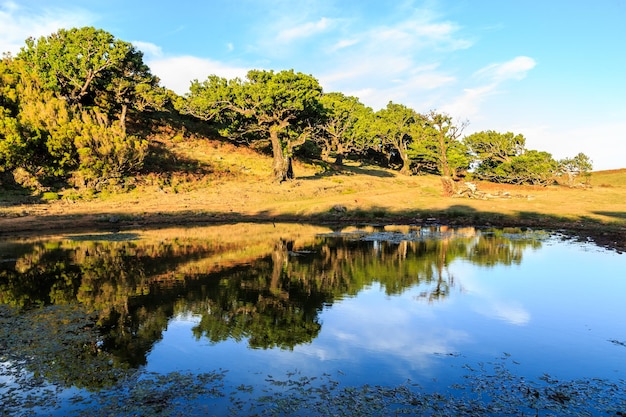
[{"x": 555, "y": 312}]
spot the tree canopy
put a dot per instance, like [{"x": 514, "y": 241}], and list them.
[{"x": 283, "y": 107}]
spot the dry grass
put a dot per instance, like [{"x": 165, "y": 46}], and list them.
[{"x": 232, "y": 183}]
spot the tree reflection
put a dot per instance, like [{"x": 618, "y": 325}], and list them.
[{"x": 268, "y": 293}]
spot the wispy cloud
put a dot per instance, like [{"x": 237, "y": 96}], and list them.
[
  {"x": 515, "y": 69},
  {"x": 343, "y": 43},
  {"x": 492, "y": 77},
  {"x": 18, "y": 23},
  {"x": 304, "y": 30},
  {"x": 400, "y": 62}
]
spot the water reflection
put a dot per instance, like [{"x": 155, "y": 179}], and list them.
[{"x": 262, "y": 284}]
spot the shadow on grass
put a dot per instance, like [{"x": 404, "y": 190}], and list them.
[
  {"x": 616, "y": 214},
  {"x": 334, "y": 170}
]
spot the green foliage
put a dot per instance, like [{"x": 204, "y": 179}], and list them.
[
  {"x": 106, "y": 152},
  {"x": 282, "y": 107},
  {"x": 491, "y": 148},
  {"x": 57, "y": 98},
  {"x": 393, "y": 126},
  {"x": 502, "y": 157},
  {"x": 436, "y": 147},
  {"x": 531, "y": 167},
  {"x": 81, "y": 63},
  {"x": 344, "y": 128},
  {"x": 50, "y": 196},
  {"x": 579, "y": 167}
]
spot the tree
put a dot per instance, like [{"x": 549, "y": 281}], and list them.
[
  {"x": 502, "y": 157},
  {"x": 393, "y": 127},
  {"x": 36, "y": 130},
  {"x": 342, "y": 130},
  {"x": 492, "y": 148},
  {"x": 62, "y": 91},
  {"x": 436, "y": 146},
  {"x": 579, "y": 166},
  {"x": 283, "y": 107},
  {"x": 106, "y": 153},
  {"x": 531, "y": 167},
  {"x": 88, "y": 66}
]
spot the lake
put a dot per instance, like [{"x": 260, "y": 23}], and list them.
[{"x": 283, "y": 319}]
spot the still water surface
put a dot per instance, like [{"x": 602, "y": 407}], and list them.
[{"x": 354, "y": 306}]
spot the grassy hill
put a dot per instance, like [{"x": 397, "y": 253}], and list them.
[{"x": 215, "y": 181}]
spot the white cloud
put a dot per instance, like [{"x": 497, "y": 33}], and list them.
[
  {"x": 177, "y": 73},
  {"x": 149, "y": 49},
  {"x": 18, "y": 23},
  {"x": 304, "y": 30},
  {"x": 490, "y": 303},
  {"x": 396, "y": 334},
  {"x": 468, "y": 104}
]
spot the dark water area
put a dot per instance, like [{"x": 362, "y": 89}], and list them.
[{"x": 302, "y": 320}]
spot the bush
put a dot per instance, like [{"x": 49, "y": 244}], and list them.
[{"x": 50, "y": 196}]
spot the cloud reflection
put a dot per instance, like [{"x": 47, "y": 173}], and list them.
[{"x": 406, "y": 333}]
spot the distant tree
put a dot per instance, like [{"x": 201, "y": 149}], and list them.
[
  {"x": 344, "y": 128},
  {"x": 283, "y": 107},
  {"x": 531, "y": 167},
  {"x": 503, "y": 158},
  {"x": 579, "y": 166},
  {"x": 393, "y": 126}
]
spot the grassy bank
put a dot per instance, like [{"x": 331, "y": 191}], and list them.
[{"x": 212, "y": 181}]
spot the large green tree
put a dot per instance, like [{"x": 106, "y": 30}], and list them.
[
  {"x": 73, "y": 93},
  {"x": 393, "y": 126},
  {"x": 36, "y": 128},
  {"x": 89, "y": 66},
  {"x": 282, "y": 107},
  {"x": 345, "y": 126}
]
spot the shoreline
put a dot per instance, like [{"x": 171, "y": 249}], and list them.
[{"x": 21, "y": 226}]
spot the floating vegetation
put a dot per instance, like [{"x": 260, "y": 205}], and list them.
[
  {"x": 429, "y": 233},
  {"x": 46, "y": 351},
  {"x": 486, "y": 390}
]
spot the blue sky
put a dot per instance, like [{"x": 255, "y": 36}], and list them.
[{"x": 554, "y": 71}]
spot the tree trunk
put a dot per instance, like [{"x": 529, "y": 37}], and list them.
[
  {"x": 448, "y": 186},
  {"x": 282, "y": 167},
  {"x": 123, "y": 118},
  {"x": 406, "y": 162}
]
